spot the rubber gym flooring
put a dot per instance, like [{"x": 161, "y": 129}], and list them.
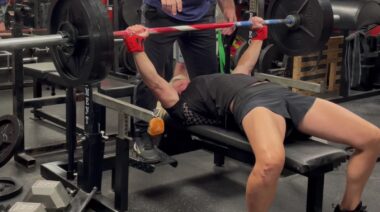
[{"x": 195, "y": 185}]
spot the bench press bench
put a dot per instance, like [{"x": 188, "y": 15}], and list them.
[
  {"x": 43, "y": 73},
  {"x": 304, "y": 156}
]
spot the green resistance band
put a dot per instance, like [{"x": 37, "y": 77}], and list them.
[{"x": 222, "y": 53}]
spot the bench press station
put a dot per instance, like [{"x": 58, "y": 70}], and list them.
[{"x": 303, "y": 156}]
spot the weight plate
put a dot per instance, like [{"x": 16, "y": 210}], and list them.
[
  {"x": 313, "y": 28},
  {"x": 239, "y": 52},
  {"x": 269, "y": 57},
  {"x": 131, "y": 11},
  {"x": 9, "y": 188},
  {"x": 88, "y": 56},
  {"x": 11, "y": 133},
  {"x": 126, "y": 61}
]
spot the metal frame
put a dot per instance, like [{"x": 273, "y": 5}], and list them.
[
  {"x": 92, "y": 165},
  {"x": 20, "y": 104},
  {"x": 300, "y": 84}
]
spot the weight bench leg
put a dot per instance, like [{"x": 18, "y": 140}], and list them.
[
  {"x": 71, "y": 139},
  {"x": 120, "y": 174},
  {"x": 218, "y": 159},
  {"x": 37, "y": 92},
  {"x": 37, "y": 88},
  {"x": 315, "y": 193}
]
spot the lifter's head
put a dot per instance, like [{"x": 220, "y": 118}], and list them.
[{"x": 180, "y": 83}]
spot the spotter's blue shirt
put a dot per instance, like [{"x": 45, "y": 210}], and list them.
[{"x": 192, "y": 10}]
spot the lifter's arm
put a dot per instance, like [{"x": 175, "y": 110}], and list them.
[
  {"x": 159, "y": 86},
  {"x": 249, "y": 59},
  {"x": 165, "y": 93}
]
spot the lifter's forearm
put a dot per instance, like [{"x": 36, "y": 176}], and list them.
[
  {"x": 147, "y": 71},
  {"x": 249, "y": 59}
]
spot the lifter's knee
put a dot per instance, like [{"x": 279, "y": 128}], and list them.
[
  {"x": 371, "y": 141},
  {"x": 268, "y": 169}
]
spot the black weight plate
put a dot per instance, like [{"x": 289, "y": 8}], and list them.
[
  {"x": 127, "y": 62},
  {"x": 313, "y": 31},
  {"x": 11, "y": 133},
  {"x": 239, "y": 52},
  {"x": 268, "y": 55},
  {"x": 89, "y": 56},
  {"x": 131, "y": 11},
  {"x": 9, "y": 188}
]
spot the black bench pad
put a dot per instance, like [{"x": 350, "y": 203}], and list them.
[
  {"x": 302, "y": 155},
  {"x": 44, "y": 71}
]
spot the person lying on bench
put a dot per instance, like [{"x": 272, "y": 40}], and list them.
[{"x": 263, "y": 110}]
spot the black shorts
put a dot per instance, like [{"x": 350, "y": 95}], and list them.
[{"x": 276, "y": 98}]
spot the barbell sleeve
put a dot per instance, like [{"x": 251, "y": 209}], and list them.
[{"x": 30, "y": 42}]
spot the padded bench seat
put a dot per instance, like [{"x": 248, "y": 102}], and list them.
[
  {"x": 302, "y": 156},
  {"x": 44, "y": 71}
]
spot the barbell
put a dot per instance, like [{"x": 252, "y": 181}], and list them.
[{"x": 82, "y": 40}]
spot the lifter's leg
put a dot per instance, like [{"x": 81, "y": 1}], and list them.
[
  {"x": 265, "y": 131},
  {"x": 335, "y": 123}
]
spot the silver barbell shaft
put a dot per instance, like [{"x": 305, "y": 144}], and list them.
[
  {"x": 29, "y": 42},
  {"x": 36, "y": 41}
]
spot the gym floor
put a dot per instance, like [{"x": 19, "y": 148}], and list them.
[{"x": 195, "y": 185}]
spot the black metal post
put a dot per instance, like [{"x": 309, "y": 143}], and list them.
[
  {"x": 37, "y": 92},
  {"x": 102, "y": 114},
  {"x": 315, "y": 192},
  {"x": 37, "y": 14},
  {"x": 90, "y": 174},
  {"x": 115, "y": 12},
  {"x": 71, "y": 122},
  {"x": 121, "y": 174},
  {"x": 37, "y": 88},
  {"x": 219, "y": 159},
  {"x": 18, "y": 78},
  {"x": 344, "y": 89},
  {"x": 102, "y": 117}
]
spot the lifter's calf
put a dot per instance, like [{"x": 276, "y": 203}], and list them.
[
  {"x": 262, "y": 182},
  {"x": 360, "y": 167}
]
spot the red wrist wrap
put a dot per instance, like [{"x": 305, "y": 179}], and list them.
[
  {"x": 261, "y": 34},
  {"x": 134, "y": 43}
]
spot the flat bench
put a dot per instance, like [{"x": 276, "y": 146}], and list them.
[
  {"x": 43, "y": 73},
  {"x": 303, "y": 156}
]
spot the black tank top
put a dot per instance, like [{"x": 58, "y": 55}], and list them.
[{"x": 207, "y": 98}]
